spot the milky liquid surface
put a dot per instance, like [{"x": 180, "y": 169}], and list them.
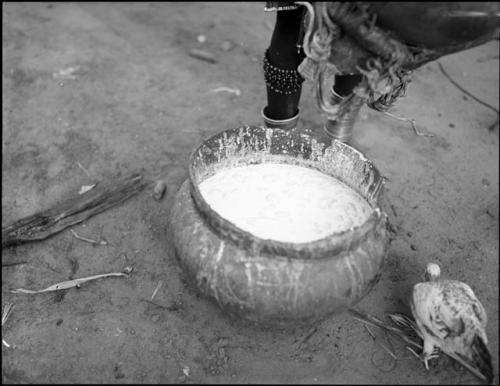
[{"x": 284, "y": 202}]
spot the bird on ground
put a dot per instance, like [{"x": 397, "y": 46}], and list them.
[{"x": 450, "y": 318}]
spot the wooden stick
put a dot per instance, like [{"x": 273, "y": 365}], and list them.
[
  {"x": 84, "y": 170},
  {"x": 308, "y": 336},
  {"x": 73, "y": 211},
  {"x": 11, "y": 263},
  {"x": 369, "y": 331},
  {"x": 5, "y": 315},
  {"x": 387, "y": 350},
  {"x": 102, "y": 242},
  {"x": 158, "y": 286},
  {"x": 7, "y": 310},
  {"x": 73, "y": 283}
]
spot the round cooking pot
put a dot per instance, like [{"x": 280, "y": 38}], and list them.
[{"x": 269, "y": 281}]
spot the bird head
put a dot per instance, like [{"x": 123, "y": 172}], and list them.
[{"x": 432, "y": 272}]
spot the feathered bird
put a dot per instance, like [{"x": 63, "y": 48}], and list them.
[{"x": 449, "y": 317}]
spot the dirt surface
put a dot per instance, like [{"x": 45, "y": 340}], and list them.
[{"x": 112, "y": 88}]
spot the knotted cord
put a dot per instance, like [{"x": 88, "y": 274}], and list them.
[{"x": 384, "y": 78}]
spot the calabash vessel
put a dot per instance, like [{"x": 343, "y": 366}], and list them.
[{"x": 268, "y": 281}]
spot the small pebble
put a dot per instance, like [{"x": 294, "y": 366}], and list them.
[
  {"x": 201, "y": 38},
  {"x": 226, "y": 45},
  {"x": 159, "y": 190},
  {"x": 155, "y": 318},
  {"x": 413, "y": 247}
]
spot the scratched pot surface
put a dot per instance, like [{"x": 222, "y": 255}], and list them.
[{"x": 112, "y": 88}]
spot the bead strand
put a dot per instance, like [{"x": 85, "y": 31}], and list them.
[{"x": 281, "y": 80}]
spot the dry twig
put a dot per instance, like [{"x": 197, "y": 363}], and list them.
[
  {"x": 158, "y": 286},
  {"x": 102, "y": 242},
  {"x": 73, "y": 211},
  {"x": 73, "y": 283},
  {"x": 369, "y": 331},
  {"x": 411, "y": 121},
  {"x": 308, "y": 335},
  {"x": 234, "y": 91},
  {"x": 84, "y": 170},
  {"x": 203, "y": 55},
  {"x": 7, "y": 310},
  {"x": 11, "y": 263}
]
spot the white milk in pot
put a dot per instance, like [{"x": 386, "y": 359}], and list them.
[{"x": 284, "y": 202}]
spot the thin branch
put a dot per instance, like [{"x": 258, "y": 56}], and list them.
[
  {"x": 158, "y": 286},
  {"x": 6, "y": 312},
  {"x": 102, "y": 242},
  {"x": 308, "y": 336},
  {"x": 369, "y": 331},
  {"x": 387, "y": 350},
  {"x": 411, "y": 121},
  {"x": 73, "y": 283},
  {"x": 84, "y": 170},
  {"x": 72, "y": 211},
  {"x": 11, "y": 263}
]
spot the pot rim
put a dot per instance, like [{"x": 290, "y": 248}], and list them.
[{"x": 332, "y": 244}]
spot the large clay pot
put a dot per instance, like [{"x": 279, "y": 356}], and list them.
[{"x": 268, "y": 281}]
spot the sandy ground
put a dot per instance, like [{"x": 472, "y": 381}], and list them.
[{"x": 110, "y": 86}]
